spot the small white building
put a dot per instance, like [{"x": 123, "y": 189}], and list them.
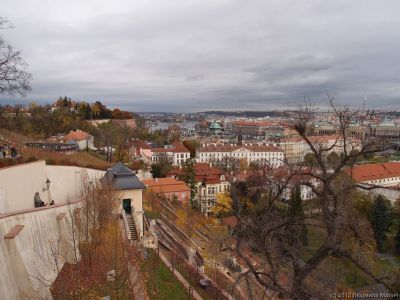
[
  {"x": 287, "y": 180},
  {"x": 129, "y": 190},
  {"x": 176, "y": 154},
  {"x": 81, "y": 138}
]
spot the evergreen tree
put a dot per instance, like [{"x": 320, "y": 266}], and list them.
[
  {"x": 296, "y": 211},
  {"x": 160, "y": 170},
  {"x": 189, "y": 177},
  {"x": 380, "y": 220}
]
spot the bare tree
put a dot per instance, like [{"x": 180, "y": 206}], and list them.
[
  {"x": 268, "y": 229},
  {"x": 14, "y": 79}
]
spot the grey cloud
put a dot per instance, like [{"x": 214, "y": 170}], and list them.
[{"x": 198, "y": 55}]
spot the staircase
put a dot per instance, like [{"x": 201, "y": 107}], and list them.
[{"x": 132, "y": 226}]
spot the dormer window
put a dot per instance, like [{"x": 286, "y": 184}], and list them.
[{"x": 222, "y": 177}]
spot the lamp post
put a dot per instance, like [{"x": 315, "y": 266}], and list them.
[{"x": 47, "y": 188}]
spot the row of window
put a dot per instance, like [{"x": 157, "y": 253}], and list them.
[
  {"x": 182, "y": 155},
  {"x": 385, "y": 180},
  {"x": 258, "y": 154},
  {"x": 213, "y": 189}
]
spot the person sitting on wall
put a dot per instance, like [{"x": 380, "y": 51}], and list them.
[{"x": 38, "y": 202}]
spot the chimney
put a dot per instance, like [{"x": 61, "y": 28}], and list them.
[
  {"x": 210, "y": 164},
  {"x": 156, "y": 179}
]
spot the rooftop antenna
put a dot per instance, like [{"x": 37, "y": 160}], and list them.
[{"x": 365, "y": 103}]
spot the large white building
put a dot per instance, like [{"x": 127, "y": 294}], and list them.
[
  {"x": 296, "y": 148},
  {"x": 260, "y": 153}
]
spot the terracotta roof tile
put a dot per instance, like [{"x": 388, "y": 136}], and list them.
[
  {"x": 203, "y": 173},
  {"x": 166, "y": 185},
  {"x": 78, "y": 135},
  {"x": 369, "y": 172}
]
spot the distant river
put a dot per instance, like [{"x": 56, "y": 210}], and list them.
[{"x": 165, "y": 125}]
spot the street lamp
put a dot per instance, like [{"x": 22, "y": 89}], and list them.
[{"x": 47, "y": 185}]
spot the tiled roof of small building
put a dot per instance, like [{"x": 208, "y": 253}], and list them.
[
  {"x": 122, "y": 178},
  {"x": 77, "y": 135}
]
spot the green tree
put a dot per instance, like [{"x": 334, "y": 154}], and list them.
[
  {"x": 189, "y": 177},
  {"x": 309, "y": 160},
  {"x": 380, "y": 220},
  {"x": 296, "y": 211},
  {"x": 333, "y": 159},
  {"x": 160, "y": 169}
]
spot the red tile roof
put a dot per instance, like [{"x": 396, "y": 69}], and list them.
[
  {"x": 177, "y": 147},
  {"x": 166, "y": 185},
  {"x": 230, "y": 221},
  {"x": 78, "y": 135},
  {"x": 203, "y": 173},
  {"x": 369, "y": 172},
  {"x": 296, "y": 175},
  {"x": 138, "y": 144}
]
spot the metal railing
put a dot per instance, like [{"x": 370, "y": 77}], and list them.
[{"x": 128, "y": 231}]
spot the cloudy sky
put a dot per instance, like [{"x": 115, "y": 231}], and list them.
[{"x": 193, "y": 55}]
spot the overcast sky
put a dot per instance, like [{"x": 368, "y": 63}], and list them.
[{"x": 193, "y": 55}]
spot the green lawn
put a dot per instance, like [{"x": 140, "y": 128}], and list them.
[
  {"x": 192, "y": 282},
  {"x": 160, "y": 282},
  {"x": 340, "y": 270}
]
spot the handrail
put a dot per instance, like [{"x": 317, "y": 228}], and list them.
[
  {"x": 24, "y": 211},
  {"x": 128, "y": 231},
  {"x": 136, "y": 221}
]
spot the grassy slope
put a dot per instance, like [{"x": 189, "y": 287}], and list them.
[
  {"x": 82, "y": 158},
  {"x": 161, "y": 283}
]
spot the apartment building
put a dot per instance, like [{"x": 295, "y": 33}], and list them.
[{"x": 210, "y": 182}]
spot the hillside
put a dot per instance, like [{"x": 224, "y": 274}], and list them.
[{"x": 81, "y": 159}]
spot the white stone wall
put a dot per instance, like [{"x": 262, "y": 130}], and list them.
[
  {"x": 67, "y": 182},
  {"x": 180, "y": 158},
  {"x": 28, "y": 256},
  {"x": 18, "y": 185}
]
